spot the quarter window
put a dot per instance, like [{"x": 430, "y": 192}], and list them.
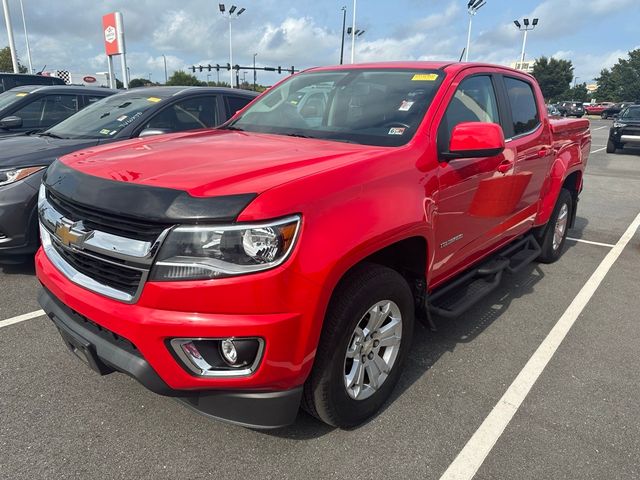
[{"x": 524, "y": 110}]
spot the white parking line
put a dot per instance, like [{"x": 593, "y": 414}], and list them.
[
  {"x": 473, "y": 454},
  {"x": 590, "y": 242},
  {"x": 599, "y": 128},
  {"x": 21, "y": 318},
  {"x": 599, "y": 150}
]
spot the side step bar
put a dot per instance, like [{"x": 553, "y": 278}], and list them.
[{"x": 465, "y": 291}]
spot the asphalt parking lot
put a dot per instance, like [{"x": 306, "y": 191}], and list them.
[{"x": 579, "y": 420}]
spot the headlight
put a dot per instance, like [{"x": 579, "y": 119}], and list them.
[
  {"x": 619, "y": 125},
  {"x": 15, "y": 174},
  {"x": 202, "y": 252}
]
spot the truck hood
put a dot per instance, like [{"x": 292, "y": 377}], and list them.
[
  {"x": 213, "y": 163},
  {"x": 34, "y": 150}
]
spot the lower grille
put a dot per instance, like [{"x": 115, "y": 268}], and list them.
[{"x": 115, "y": 276}]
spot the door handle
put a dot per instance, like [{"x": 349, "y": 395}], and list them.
[
  {"x": 543, "y": 153},
  {"x": 505, "y": 166}
]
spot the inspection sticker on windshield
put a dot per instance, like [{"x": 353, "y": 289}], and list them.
[
  {"x": 121, "y": 118},
  {"x": 105, "y": 131},
  {"x": 396, "y": 131},
  {"x": 154, "y": 99},
  {"x": 406, "y": 105},
  {"x": 21, "y": 94},
  {"x": 425, "y": 77}
]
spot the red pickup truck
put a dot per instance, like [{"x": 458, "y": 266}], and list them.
[{"x": 280, "y": 260}]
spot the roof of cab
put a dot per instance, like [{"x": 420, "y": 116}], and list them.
[
  {"x": 61, "y": 89},
  {"x": 175, "y": 91}
]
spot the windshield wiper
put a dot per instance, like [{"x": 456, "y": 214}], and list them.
[
  {"x": 49, "y": 134},
  {"x": 231, "y": 127},
  {"x": 298, "y": 135}
]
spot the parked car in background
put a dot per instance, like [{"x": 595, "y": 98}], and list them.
[
  {"x": 136, "y": 113},
  {"x": 597, "y": 108},
  {"x": 614, "y": 110},
  {"x": 12, "y": 80},
  {"x": 35, "y": 108},
  {"x": 277, "y": 261},
  {"x": 625, "y": 129},
  {"x": 553, "y": 111},
  {"x": 571, "y": 109}
]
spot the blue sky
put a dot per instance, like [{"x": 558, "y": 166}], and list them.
[{"x": 304, "y": 33}]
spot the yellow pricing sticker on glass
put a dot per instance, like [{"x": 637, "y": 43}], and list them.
[
  {"x": 21, "y": 94},
  {"x": 154, "y": 99},
  {"x": 425, "y": 77}
]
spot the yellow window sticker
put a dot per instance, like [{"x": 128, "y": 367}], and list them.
[
  {"x": 21, "y": 94},
  {"x": 154, "y": 99},
  {"x": 425, "y": 77},
  {"x": 105, "y": 131}
]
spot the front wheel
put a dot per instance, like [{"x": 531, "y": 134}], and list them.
[
  {"x": 555, "y": 233},
  {"x": 366, "y": 337},
  {"x": 611, "y": 146}
]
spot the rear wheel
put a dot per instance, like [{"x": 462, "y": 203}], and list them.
[
  {"x": 611, "y": 146},
  {"x": 555, "y": 234},
  {"x": 366, "y": 336},
  {"x": 603, "y": 116}
]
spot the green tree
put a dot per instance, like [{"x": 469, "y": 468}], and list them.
[
  {"x": 6, "y": 65},
  {"x": 554, "y": 77},
  {"x": 579, "y": 93},
  {"x": 622, "y": 82},
  {"x": 182, "y": 78},
  {"x": 139, "y": 82}
]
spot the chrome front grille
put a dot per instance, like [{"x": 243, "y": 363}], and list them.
[{"x": 107, "y": 263}]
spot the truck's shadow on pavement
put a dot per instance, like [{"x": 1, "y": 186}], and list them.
[{"x": 26, "y": 268}]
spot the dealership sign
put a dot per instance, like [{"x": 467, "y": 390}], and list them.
[{"x": 113, "y": 34}]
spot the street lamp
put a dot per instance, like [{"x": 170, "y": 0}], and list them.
[
  {"x": 353, "y": 37},
  {"x": 166, "y": 79},
  {"x": 233, "y": 12},
  {"x": 354, "y": 34},
  {"x": 255, "y": 73},
  {"x": 472, "y": 8},
  {"x": 26, "y": 37},
  {"x": 525, "y": 28},
  {"x": 344, "y": 22}
]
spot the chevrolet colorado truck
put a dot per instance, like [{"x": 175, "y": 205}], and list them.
[{"x": 280, "y": 260}]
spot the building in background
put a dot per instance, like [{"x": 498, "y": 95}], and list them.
[
  {"x": 524, "y": 66},
  {"x": 100, "y": 79}
]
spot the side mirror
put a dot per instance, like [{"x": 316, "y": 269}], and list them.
[
  {"x": 150, "y": 132},
  {"x": 11, "y": 122},
  {"x": 475, "y": 140}
]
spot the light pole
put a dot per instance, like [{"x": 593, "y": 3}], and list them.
[
  {"x": 255, "y": 73},
  {"x": 344, "y": 23},
  {"x": 166, "y": 79},
  {"x": 12, "y": 44},
  {"x": 208, "y": 77},
  {"x": 525, "y": 28},
  {"x": 472, "y": 8},
  {"x": 353, "y": 29},
  {"x": 575, "y": 82},
  {"x": 230, "y": 14},
  {"x": 354, "y": 34},
  {"x": 26, "y": 37}
]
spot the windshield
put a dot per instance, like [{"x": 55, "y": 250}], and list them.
[
  {"x": 106, "y": 117},
  {"x": 631, "y": 113},
  {"x": 373, "y": 107},
  {"x": 9, "y": 97}
]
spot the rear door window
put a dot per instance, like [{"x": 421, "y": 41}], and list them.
[{"x": 524, "y": 110}]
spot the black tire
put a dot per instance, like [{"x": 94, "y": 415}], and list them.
[
  {"x": 603, "y": 116},
  {"x": 553, "y": 251},
  {"x": 325, "y": 393},
  {"x": 611, "y": 146}
]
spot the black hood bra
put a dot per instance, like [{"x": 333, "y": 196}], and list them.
[{"x": 155, "y": 204}]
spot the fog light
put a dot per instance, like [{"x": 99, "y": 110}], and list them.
[
  {"x": 219, "y": 357},
  {"x": 229, "y": 351}
]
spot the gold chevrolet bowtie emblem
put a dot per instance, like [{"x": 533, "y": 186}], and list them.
[{"x": 66, "y": 235}]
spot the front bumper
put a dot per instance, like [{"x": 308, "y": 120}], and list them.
[{"x": 106, "y": 352}]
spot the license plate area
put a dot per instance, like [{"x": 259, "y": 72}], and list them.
[{"x": 83, "y": 350}]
